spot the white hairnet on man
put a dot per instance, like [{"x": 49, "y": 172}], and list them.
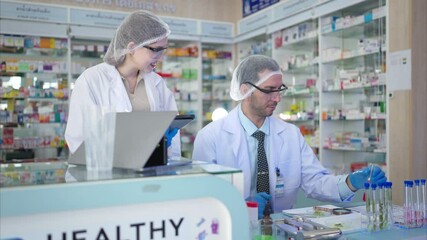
[
  {"x": 142, "y": 28},
  {"x": 247, "y": 72}
]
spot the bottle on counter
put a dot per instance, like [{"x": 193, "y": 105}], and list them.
[{"x": 266, "y": 223}]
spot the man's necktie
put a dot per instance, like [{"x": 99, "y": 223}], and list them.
[{"x": 263, "y": 183}]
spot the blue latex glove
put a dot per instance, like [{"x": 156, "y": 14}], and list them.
[
  {"x": 170, "y": 133},
  {"x": 261, "y": 198},
  {"x": 361, "y": 176}
]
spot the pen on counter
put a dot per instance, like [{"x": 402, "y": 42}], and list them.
[{"x": 370, "y": 172}]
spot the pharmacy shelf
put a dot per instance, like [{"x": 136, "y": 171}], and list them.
[
  {"x": 217, "y": 68},
  {"x": 365, "y": 27},
  {"x": 307, "y": 69},
  {"x": 302, "y": 43},
  {"x": 296, "y": 51},
  {"x": 353, "y": 59},
  {"x": 350, "y": 149},
  {"x": 352, "y": 74},
  {"x": 34, "y": 70}
]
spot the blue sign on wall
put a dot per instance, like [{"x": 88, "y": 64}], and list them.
[{"x": 253, "y": 6}]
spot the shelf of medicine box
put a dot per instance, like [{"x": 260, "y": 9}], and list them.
[
  {"x": 373, "y": 29},
  {"x": 207, "y": 77},
  {"x": 300, "y": 120},
  {"x": 89, "y": 54},
  {"x": 360, "y": 88},
  {"x": 27, "y": 124},
  {"x": 17, "y": 56},
  {"x": 353, "y": 149},
  {"x": 11, "y": 74},
  {"x": 217, "y": 100},
  {"x": 2, "y": 148},
  {"x": 208, "y": 86},
  {"x": 179, "y": 58},
  {"x": 356, "y": 25},
  {"x": 354, "y": 57},
  {"x": 261, "y": 44},
  {"x": 305, "y": 69},
  {"x": 176, "y": 79},
  {"x": 351, "y": 115},
  {"x": 293, "y": 117},
  {"x": 34, "y": 51},
  {"x": 48, "y": 99},
  {"x": 78, "y": 67},
  {"x": 191, "y": 75},
  {"x": 380, "y": 116},
  {"x": 87, "y": 49},
  {"x": 18, "y": 143},
  {"x": 307, "y": 43},
  {"x": 177, "y": 100},
  {"x": 214, "y": 60},
  {"x": 12, "y": 98},
  {"x": 22, "y": 67},
  {"x": 86, "y": 59},
  {"x": 38, "y": 99},
  {"x": 301, "y": 93}
]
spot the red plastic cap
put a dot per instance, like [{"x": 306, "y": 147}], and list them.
[{"x": 252, "y": 204}]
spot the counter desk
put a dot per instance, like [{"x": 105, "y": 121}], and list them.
[
  {"x": 186, "y": 201},
  {"x": 359, "y": 232}
]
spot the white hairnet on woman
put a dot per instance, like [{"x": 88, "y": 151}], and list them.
[
  {"x": 142, "y": 28},
  {"x": 248, "y": 72}
]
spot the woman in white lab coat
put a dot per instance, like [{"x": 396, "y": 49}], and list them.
[
  {"x": 257, "y": 83},
  {"x": 126, "y": 81}
]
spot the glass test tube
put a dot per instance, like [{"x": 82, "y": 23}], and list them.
[
  {"x": 418, "y": 210},
  {"x": 389, "y": 202},
  {"x": 368, "y": 206},
  {"x": 374, "y": 206},
  {"x": 424, "y": 201},
  {"x": 407, "y": 204},
  {"x": 382, "y": 219}
]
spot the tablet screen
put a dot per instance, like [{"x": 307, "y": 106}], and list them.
[{"x": 181, "y": 120}]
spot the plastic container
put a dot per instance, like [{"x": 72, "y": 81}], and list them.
[{"x": 253, "y": 218}]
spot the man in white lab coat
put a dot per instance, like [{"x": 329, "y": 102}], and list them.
[
  {"x": 257, "y": 83},
  {"x": 125, "y": 81}
]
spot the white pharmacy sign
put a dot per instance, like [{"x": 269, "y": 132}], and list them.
[{"x": 203, "y": 218}]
